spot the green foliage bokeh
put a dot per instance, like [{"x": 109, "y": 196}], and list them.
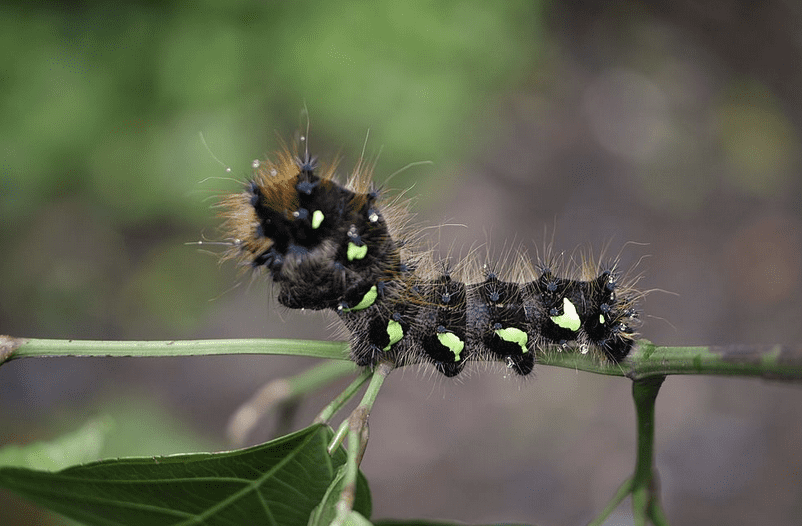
[{"x": 104, "y": 105}]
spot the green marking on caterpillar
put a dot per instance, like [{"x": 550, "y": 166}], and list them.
[
  {"x": 356, "y": 252},
  {"x": 452, "y": 342},
  {"x": 395, "y": 332},
  {"x": 601, "y": 319},
  {"x": 367, "y": 300},
  {"x": 317, "y": 219},
  {"x": 514, "y": 335},
  {"x": 569, "y": 319}
]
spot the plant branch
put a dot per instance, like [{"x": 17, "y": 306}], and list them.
[
  {"x": 646, "y": 359},
  {"x": 44, "y": 348},
  {"x": 645, "y": 482},
  {"x": 773, "y": 362}
]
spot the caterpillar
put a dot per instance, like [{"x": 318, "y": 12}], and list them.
[{"x": 348, "y": 248}]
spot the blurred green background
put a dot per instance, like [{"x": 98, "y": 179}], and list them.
[{"x": 595, "y": 124}]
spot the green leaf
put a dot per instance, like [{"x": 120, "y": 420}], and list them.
[
  {"x": 357, "y": 519},
  {"x": 325, "y": 512},
  {"x": 277, "y": 483},
  {"x": 83, "y": 445}
]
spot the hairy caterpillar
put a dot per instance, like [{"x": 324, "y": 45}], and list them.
[{"x": 343, "y": 247}]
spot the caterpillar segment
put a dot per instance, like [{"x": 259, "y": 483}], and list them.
[{"x": 340, "y": 247}]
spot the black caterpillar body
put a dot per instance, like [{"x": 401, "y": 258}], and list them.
[{"x": 340, "y": 247}]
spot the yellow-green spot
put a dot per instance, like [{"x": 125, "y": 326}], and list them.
[
  {"x": 356, "y": 252},
  {"x": 569, "y": 319},
  {"x": 317, "y": 218},
  {"x": 514, "y": 335},
  {"x": 395, "y": 332},
  {"x": 367, "y": 300},
  {"x": 452, "y": 342},
  {"x": 601, "y": 319}
]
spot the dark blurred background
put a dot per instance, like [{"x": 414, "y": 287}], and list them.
[{"x": 672, "y": 124}]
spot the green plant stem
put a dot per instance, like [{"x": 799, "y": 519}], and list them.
[
  {"x": 645, "y": 491},
  {"x": 348, "y": 393},
  {"x": 623, "y": 491},
  {"x": 773, "y": 362},
  {"x": 44, "y": 348},
  {"x": 643, "y": 485},
  {"x": 646, "y": 360},
  {"x": 358, "y": 441}
]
